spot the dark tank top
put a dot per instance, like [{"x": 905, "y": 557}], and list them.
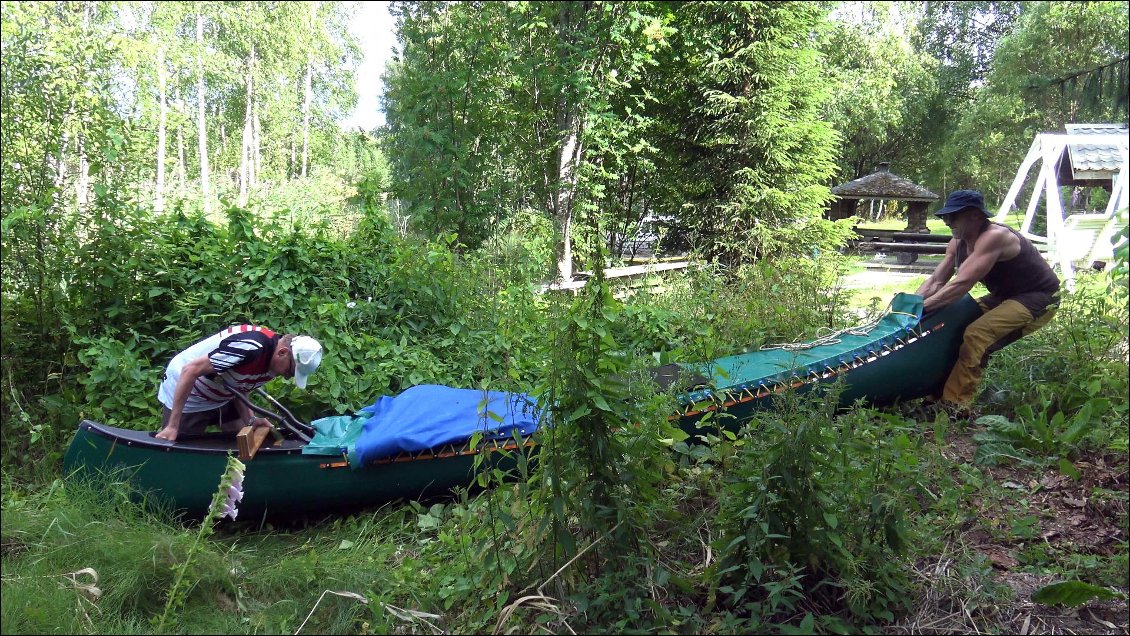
[{"x": 1026, "y": 278}]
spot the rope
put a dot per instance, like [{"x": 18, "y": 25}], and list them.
[{"x": 836, "y": 336}]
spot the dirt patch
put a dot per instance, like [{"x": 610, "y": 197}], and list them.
[
  {"x": 1024, "y": 616},
  {"x": 959, "y": 448},
  {"x": 1069, "y": 513},
  {"x": 1043, "y": 512}
]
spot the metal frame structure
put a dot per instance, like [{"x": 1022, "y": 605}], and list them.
[{"x": 1050, "y": 148}]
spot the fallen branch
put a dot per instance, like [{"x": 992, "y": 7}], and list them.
[
  {"x": 546, "y": 602},
  {"x": 344, "y": 594}
]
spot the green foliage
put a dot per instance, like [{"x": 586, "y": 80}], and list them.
[
  {"x": 1034, "y": 435},
  {"x": 121, "y": 381},
  {"x": 963, "y": 38},
  {"x": 105, "y": 96},
  {"x": 394, "y": 314},
  {"x": 815, "y": 512},
  {"x": 521, "y": 248},
  {"x": 883, "y": 86},
  {"x": 56, "y": 95},
  {"x": 1121, "y": 270},
  {"x": 746, "y": 119},
  {"x": 597, "y": 425},
  {"x": 319, "y": 199},
  {"x": 712, "y": 312},
  {"x": 1062, "y": 379},
  {"x": 1049, "y": 40},
  {"x": 49, "y": 534},
  {"x": 604, "y": 114},
  {"x": 1072, "y": 594},
  {"x": 707, "y": 114},
  {"x": 224, "y": 501},
  {"x": 801, "y": 521},
  {"x": 1082, "y": 37}
]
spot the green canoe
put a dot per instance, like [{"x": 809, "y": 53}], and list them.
[
  {"x": 279, "y": 481},
  {"x": 911, "y": 359}
]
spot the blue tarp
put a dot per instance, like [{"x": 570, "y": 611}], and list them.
[{"x": 431, "y": 416}]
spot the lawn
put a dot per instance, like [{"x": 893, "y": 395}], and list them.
[{"x": 934, "y": 224}]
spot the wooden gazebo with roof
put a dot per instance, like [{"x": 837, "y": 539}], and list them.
[{"x": 884, "y": 185}]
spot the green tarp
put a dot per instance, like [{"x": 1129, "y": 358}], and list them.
[
  {"x": 335, "y": 435},
  {"x": 773, "y": 366}
]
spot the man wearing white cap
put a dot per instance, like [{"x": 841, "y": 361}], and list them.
[{"x": 197, "y": 388}]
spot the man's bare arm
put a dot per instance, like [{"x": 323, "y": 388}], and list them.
[
  {"x": 188, "y": 375},
  {"x": 986, "y": 252},
  {"x": 942, "y": 273}
]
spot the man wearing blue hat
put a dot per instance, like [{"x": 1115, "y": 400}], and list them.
[{"x": 1023, "y": 289}]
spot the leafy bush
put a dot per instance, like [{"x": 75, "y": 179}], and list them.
[
  {"x": 1073, "y": 369},
  {"x": 521, "y": 249},
  {"x": 139, "y": 288},
  {"x": 813, "y": 508}
]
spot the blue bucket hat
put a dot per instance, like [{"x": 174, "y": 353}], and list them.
[{"x": 958, "y": 200}]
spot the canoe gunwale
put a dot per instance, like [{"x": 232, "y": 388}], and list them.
[
  {"x": 719, "y": 399},
  {"x": 223, "y": 444},
  {"x": 208, "y": 444}
]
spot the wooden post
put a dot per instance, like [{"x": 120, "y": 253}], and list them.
[{"x": 916, "y": 217}]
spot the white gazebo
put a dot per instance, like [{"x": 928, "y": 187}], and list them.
[{"x": 1087, "y": 154}]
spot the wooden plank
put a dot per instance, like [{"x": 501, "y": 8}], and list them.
[
  {"x": 250, "y": 439},
  {"x": 921, "y": 238},
  {"x": 612, "y": 273},
  {"x": 915, "y": 268},
  {"x": 913, "y": 248},
  {"x": 899, "y": 235},
  {"x": 640, "y": 270}
]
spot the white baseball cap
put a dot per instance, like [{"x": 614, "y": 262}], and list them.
[{"x": 307, "y": 354}]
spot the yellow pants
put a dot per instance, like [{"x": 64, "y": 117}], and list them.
[{"x": 997, "y": 328}]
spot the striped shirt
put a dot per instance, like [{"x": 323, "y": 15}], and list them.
[{"x": 241, "y": 354}]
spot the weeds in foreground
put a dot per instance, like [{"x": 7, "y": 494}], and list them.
[{"x": 224, "y": 505}]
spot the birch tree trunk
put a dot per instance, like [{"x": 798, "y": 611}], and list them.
[
  {"x": 245, "y": 145},
  {"x": 257, "y": 142},
  {"x": 205, "y": 195},
  {"x": 569, "y": 156},
  {"x": 252, "y": 143},
  {"x": 569, "y": 125},
  {"x": 60, "y": 167},
  {"x": 306, "y": 121},
  {"x": 181, "y": 177},
  {"x": 159, "y": 193},
  {"x": 291, "y": 168},
  {"x": 307, "y": 97},
  {"x": 82, "y": 185},
  {"x": 223, "y": 140}
]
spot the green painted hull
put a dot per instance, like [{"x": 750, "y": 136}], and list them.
[{"x": 279, "y": 482}]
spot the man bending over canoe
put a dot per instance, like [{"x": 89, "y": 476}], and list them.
[
  {"x": 1023, "y": 290},
  {"x": 194, "y": 392}
]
